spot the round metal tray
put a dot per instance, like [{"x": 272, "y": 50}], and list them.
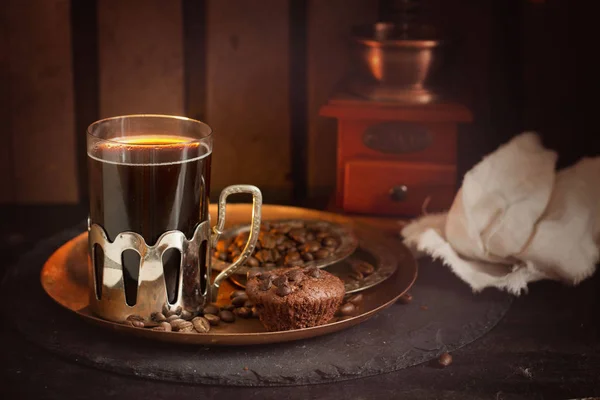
[
  {"x": 347, "y": 246},
  {"x": 64, "y": 278}
]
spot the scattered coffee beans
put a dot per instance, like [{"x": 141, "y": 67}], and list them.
[
  {"x": 445, "y": 359},
  {"x": 243, "y": 312},
  {"x": 201, "y": 324},
  {"x": 356, "y": 299},
  {"x": 210, "y": 309},
  {"x": 237, "y": 293},
  {"x": 212, "y": 319},
  {"x": 405, "y": 298},
  {"x": 239, "y": 301},
  {"x": 364, "y": 268},
  {"x": 173, "y": 318},
  {"x": 158, "y": 317},
  {"x": 348, "y": 309},
  {"x": 185, "y": 326},
  {"x": 227, "y": 316},
  {"x": 228, "y": 307}
]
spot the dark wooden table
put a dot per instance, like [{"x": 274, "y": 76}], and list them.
[{"x": 547, "y": 347}]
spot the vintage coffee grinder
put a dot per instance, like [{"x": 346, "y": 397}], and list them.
[{"x": 397, "y": 135}]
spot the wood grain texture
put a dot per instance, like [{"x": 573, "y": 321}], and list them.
[
  {"x": 329, "y": 25},
  {"x": 7, "y": 180},
  {"x": 141, "y": 57},
  {"x": 367, "y": 186},
  {"x": 247, "y": 93},
  {"x": 41, "y": 101}
]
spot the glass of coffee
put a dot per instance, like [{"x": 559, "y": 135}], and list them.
[{"x": 149, "y": 226}]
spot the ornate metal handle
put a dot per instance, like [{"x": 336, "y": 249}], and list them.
[{"x": 218, "y": 230}]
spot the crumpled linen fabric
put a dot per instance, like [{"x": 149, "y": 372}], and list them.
[{"x": 517, "y": 220}]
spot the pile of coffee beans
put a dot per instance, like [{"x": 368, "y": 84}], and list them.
[
  {"x": 282, "y": 244},
  {"x": 180, "y": 320}
]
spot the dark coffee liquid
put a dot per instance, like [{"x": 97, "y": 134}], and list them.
[{"x": 149, "y": 185}]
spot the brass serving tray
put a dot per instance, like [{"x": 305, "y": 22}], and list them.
[{"x": 64, "y": 278}]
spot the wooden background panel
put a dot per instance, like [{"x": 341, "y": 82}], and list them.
[
  {"x": 7, "y": 181},
  {"x": 247, "y": 94},
  {"x": 40, "y": 88},
  {"x": 329, "y": 26},
  {"x": 141, "y": 57}
]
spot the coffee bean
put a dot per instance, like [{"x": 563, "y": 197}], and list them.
[
  {"x": 159, "y": 328},
  {"x": 283, "y": 290},
  {"x": 221, "y": 256},
  {"x": 173, "y": 317},
  {"x": 253, "y": 273},
  {"x": 307, "y": 257},
  {"x": 348, "y": 309},
  {"x": 240, "y": 300},
  {"x": 227, "y": 316},
  {"x": 313, "y": 272},
  {"x": 184, "y": 327},
  {"x": 176, "y": 322},
  {"x": 357, "y": 299},
  {"x": 237, "y": 293},
  {"x": 232, "y": 247},
  {"x": 134, "y": 317},
  {"x": 212, "y": 319},
  {"x": 356, "y": 275},
  {"x": 221, "y": 246},
  {"x": 292, "y": 256},
  {"x": 235, "y": 254},
  {"x": 166, "y": 326},
  {"x": 201, "y": 324},
  {"x": 158, "y": 317},
  {"x": 405, "y": 298},
  {"x": 321, "y": 235},
  {"x": 298, "y": 235},
  {"x": 295, "y": 275},
  {"x": 228, "y": 307},
  {"x": 269, "y": 265},
  {"x": 255, "y": 312},
  {"x": 364, "y": 268},
  {"x": 252, "y": 262},
  {"x": 321, "y": 254},
  {"x": 248, "y": 304},
  {"x": 329, "y": 242},
  {"x": 310, "y": 236},
  {"x": 267, "y": 240},
  {"x": 243, "y": 312},
  {"x": 211, "y": 309},
  {"x": 281, "y": 247},
  {"x": 311, "y": 247},
  {"x": 265, "y": 285},
  {"x": 241, "y": 239},
  {"x": 185, "y": 314},
  {"x": 266, "y": 276},
  {"x": 280, "y": 280},
  {"x": 445, "y": 359},
  {"x": 135, "y": 323}
]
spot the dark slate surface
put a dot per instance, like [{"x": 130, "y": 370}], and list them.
[{"x": 399, "y": 337}]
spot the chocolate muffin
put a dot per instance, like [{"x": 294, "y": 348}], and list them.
[{"x": 294, "y": 298}]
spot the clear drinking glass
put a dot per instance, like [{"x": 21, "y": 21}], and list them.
[{"x": 150, "y": 240}]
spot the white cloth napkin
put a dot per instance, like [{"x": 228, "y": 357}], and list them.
[{"x": 516, "y": 220}]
